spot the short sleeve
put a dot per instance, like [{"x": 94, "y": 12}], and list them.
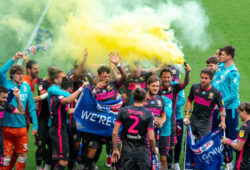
[
  {"x": 117, "y": 84},
  {"x": 10, "y": 108},
  {"x": 243, "y": 133},
  {"x": 60, "y": 98},
  {"x": 163, "y": 106},
  {"x": 151, "y": 122},
  {"x": 177, "y": 87},
  {"x": 41, "y": 87},
  {"x": 219, "y": 101},
  {"x": 191, "y": 94},
  {"x": 119, "y": 117}
]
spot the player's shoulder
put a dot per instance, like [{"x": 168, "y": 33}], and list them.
[
  {"x": 122, "y": 109},
  {"x": 57, "y": 98},
  {"x": 216, "y": 91},
  {"x": 166, "y": 99},
  {"x": 246, "y": 126},
  {"x": 196, "y": 86},
  {"x": 44, "y": 83}
]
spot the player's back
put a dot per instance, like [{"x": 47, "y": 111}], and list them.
[
  {"x": 136, "y": 120},
  {"x": 58, "y": 113}
]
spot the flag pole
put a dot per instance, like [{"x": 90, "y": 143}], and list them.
[
  {"x": 185, "y": 147},
  {"x": 20, "y": 61}
]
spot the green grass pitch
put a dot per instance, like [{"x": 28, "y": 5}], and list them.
[{"x": 229, "y": 24}]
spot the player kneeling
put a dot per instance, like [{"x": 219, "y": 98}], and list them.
[{"x": 137, "y": 122}]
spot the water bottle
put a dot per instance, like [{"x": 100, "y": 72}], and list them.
[
  {"x": 226, "y": 154},
  {"x": 155, "y": 163}
]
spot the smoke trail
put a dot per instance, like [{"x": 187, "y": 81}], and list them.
[{"x": 138, "y": 30}]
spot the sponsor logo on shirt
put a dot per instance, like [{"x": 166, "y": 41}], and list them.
[
  {"x": 201, "y": 101},
  {"x": 242, "y": 133},
  {"x": 105, "y": 95}
]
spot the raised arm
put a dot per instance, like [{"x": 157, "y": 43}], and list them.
[
  {"x": 5, "y": 68},
  {"x": 74, "y": 96},
  {"x": 114, "y": 58},
  {"x": 20, "y": 109},
  {"x": 186, "y": 80}
]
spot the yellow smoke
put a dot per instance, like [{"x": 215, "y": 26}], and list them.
[{"x": 134, "y": 37}]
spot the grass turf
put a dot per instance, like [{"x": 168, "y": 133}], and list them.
[{"x": 229, "y": 24}]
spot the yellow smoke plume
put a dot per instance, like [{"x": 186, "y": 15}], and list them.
[{"x": 135, "y": 37}]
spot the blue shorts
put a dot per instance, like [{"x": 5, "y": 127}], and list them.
[{"x": 232, "y": 122}]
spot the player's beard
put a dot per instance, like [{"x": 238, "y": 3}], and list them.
[
  {"x": 205, "y": 85},
  {"x": 152, "y": 94},
  {"x": 34, "y": 75}
]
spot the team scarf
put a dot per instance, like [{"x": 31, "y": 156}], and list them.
[
  {"x": 96, "y": 117},
  {"x": 206, "y": 153}
]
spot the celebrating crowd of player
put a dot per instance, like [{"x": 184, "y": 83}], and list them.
[{"x": 151, "y": 111}]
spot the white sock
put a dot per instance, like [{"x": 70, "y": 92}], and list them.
[
  {"x": 46, "y": 167},
  {"x": 38, "y": 168}
]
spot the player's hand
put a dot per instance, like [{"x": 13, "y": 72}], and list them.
[
  {"x": 26, "y": 58},
  {"x": 100, "y": 84},
  {"x": 223, "y": 125},
  {"x": 33, "y": 50},
  {"x": 224, "y": 140},
  {"x": 186, "y": 121},
  {"x": 115, "y": 156},
  {"x": 85, "y": 84},
  {"x": 85, "y": 53},
  {"x": 18, "y": 55},
  {"x": 157, "y": 122},
  {"x": 155, "y": 151},
  {"x": 187, "y": 68},
  {"x": 114, "y": 58},
  {"x": 16, "y": 92},
  {"x": 34, "y": 132}
]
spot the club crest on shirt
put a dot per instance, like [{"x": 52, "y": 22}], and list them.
[
  {"x": 211, "y": 95},
  {"x": 40, "y": 87},
  {"x": 170, "y": 89},
  {"x": 164, "y": 92},
  {"x": 242, "y": 133},
  {"x": 159, "y": 103},
  {"x": 136, "y": 80},
  {"x": 109, "y": 88},
  {"x": 173, "y": 71},
  {"x": 86, "y": 79},
  {"x": 152, "y": 102},
  {"x": 25, "y": 89},
  {"x": 203, "y": 92},
  {"x": 142, "y": 79}
]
